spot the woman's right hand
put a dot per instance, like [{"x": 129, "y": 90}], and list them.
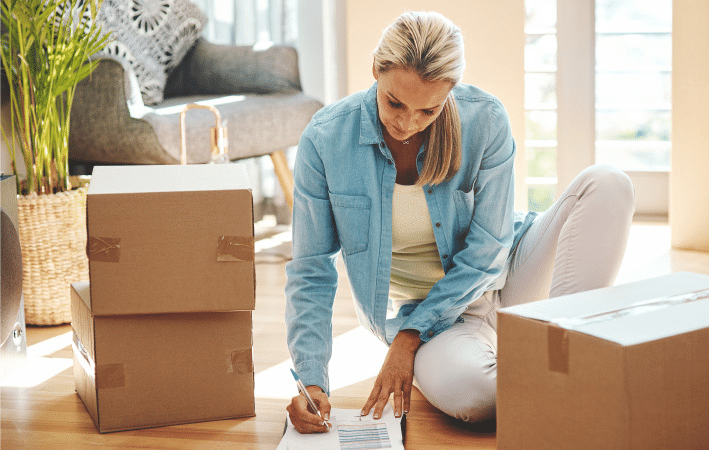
[{"x": 306, "y": 420}]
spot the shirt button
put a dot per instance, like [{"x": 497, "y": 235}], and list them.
[
  {"x": 390, "y": 162},
  {"x": 438, "y": 224},
  {"x": 430, "y": 191},
  {"x": 381, "y": 144},
  {"x": 445, "y": 256},
  {"x": 430, "y": 334}
]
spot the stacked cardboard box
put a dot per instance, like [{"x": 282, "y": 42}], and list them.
[
  {"x": 162, "y": 333},
  {"x": 618, "y": 368}
]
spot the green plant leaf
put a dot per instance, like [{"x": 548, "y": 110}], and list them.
[{"x": 45, "y": 53}]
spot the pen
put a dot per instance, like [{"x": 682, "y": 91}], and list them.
[{"x": 308, "y": 398}]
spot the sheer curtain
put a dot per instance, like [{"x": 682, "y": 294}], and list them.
[
  {"x": 260, "y": 23},
  {"x": 248, "y": 22}
]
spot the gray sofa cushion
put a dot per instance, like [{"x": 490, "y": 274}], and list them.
[
  {"x": 226, "y": 69},
  {"x": 256, "y": 124}
]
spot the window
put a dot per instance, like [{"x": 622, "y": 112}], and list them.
[
  {"x": 633, "y": 83},
  {"x": 613, "y": 106},
  {"x": 540, "y": 102}
]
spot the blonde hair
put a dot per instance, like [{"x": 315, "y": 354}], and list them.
[{"x": 431, "y": 46}]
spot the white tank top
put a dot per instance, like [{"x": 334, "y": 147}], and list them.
[{"x": 415, "y": 263}]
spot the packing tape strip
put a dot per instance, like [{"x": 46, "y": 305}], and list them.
[
  {"x": 82, "y": 355},
  {"x": 110, "y": 376},
  {"x": 235, "y": 248},
  {"x": 103, "y": 249},
  {"x": 558, "y": 349},
  {"x": 239, "y": 362},
  {"x": 637, "y": 308},
  {"x": 229, "y": 248}
]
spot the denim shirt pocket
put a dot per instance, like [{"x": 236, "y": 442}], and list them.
[
  {"x": 352, "y": 221},
  {"x": 464, "y": 208}
]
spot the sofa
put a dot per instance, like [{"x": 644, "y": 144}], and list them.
[{"x": 256, "y": 91}]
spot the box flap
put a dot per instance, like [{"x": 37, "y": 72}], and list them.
[
  {"x": 631, "y": 313},
  {"x": 83, "y": 291},
  {"x": 167, "y": 178}
]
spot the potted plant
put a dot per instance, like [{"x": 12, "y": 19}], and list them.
[{"x": 46, "y": 50}]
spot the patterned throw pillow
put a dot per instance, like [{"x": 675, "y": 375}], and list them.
[{"x": 152, "y": 36}]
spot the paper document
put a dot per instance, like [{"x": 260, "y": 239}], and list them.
[{"x": 350, "y": 431}]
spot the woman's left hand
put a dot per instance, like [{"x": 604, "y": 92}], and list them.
[{"x": 396, "y": 375}]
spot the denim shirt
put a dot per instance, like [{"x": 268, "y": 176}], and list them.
[{"x": 344, "y": 182}]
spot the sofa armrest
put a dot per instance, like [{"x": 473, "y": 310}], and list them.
[
  {"x": 213, "y": 69},
  {"x": 102, "y": 130}
]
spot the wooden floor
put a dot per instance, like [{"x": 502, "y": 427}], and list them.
[{"x": 51, "y": 416}]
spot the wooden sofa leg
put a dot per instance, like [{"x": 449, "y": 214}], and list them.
[{"x": 284, "y": 174}]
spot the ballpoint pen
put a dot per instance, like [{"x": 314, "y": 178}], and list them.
[{"x": 308, "y": 398}]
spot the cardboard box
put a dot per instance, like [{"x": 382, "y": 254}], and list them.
[
  {"x": 626, "y": 367},
  {"x": 170, "y": 238},
  {"x": 143, "y": 371}
]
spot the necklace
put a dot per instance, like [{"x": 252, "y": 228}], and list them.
[{"x": 406, "y": 142}]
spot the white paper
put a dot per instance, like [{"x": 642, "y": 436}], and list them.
[{"x": 349, "y": 431}]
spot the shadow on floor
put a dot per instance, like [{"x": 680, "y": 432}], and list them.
[{"x": 485, "y": 427}]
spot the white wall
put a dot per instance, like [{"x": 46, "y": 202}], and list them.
[
  {"x": 5, "y": 163},
  {"x": 4, "y": 158},
  {"x": 494, "y": 38},
  {"x": 689, "y": 180},
  {"x": 4, "y": 155},
  {"x": 321, "y": 48}
]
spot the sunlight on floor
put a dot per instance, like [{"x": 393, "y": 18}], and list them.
[
  {"x": 38, "y": 367},
  {"x": 273, "y": 241},
  {"x": 647, "y": 254},
  {"x": 356, "y": 356}
]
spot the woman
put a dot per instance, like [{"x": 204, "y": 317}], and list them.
[{"x": 413, "y": 181}]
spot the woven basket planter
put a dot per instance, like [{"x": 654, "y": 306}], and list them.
[{"x": 52, "y": 232}]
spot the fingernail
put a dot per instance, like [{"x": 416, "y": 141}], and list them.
[
  {"x": 362, "y": 413},
  {"x": 376, "y": 415}
]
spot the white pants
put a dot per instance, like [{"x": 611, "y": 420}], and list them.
[{"x": 576, "y": 245}]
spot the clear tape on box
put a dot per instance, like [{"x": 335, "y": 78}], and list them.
[{"x": 637, "y": 308}]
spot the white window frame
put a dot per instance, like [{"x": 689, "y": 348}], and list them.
[{"x": 575, "y": 91}]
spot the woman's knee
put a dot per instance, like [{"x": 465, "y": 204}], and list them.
[
  {"x": 472, "y": 403},
  {"x": 601, "y": 187},
  {"x": 461, "y": 381},
  {"x": 612, "y": 185}
]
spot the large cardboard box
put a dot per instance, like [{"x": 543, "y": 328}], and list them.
[
  {"x": 162, "y": 334},
  {"x": 170, "y": 238},
  {"x": 152, "y": 370},
  {"x": 626, "y": 367}
]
